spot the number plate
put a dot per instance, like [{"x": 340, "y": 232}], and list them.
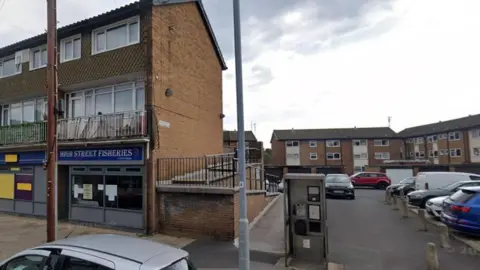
[{"x": 338, "y": 191}]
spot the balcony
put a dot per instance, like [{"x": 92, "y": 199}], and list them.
[
  {"x": 27, "y": 133},
  {"x": 103, "y": 127}
]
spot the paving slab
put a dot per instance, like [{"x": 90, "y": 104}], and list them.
[
  {"x": 268, "y": 233},
  {"x": 18, "y": 233}
]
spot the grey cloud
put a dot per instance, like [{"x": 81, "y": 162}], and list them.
[
  {"x": 265, "y": 13},
  {"x": 261, "y": 75}
]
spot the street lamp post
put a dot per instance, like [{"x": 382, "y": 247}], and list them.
[{"x": 244, "y": 235}]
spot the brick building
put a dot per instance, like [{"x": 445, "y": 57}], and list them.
[
  {"x": 348, "y": 149},
  {"x": 230, "y": 138},
  {"x": 449, "y": 143},
  {"x": 140, "y": 82}
]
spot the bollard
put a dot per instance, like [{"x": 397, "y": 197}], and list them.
[
  {"x": 432, "y": 257},
  {"x": 444, "y": 236},
  {"x": 387, "y": 197},
  {"x": 423, "y": 220},
  {"x": 402, "y": 193},
  {"x": 404, "y": 208},
  {"x": 394, "y": 203}
]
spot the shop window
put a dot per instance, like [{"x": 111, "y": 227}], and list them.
[
  {"x": 87, "y": 190},
  {"x": 133, "y": 169},
  {"x": 113, "y": 169},
  {"x": 24, "y": 187},
  {"x": 124, "y": 192}
]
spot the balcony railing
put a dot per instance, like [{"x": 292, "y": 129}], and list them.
[
  {"x": 27, "y": 133},
  {"x": 108, "y": 126}
]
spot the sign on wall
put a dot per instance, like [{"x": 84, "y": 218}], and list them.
[{"x": 101, "y": 154}]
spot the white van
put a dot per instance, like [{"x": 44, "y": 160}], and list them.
[{"x": 441, "y": 179}]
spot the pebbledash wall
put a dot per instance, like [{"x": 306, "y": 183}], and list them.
[{"x": 205, "y": 212}]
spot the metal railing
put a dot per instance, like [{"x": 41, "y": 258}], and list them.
[
  {"x": 23, "y": 133},
  {"x": 212, "y": 170},
  {"x": 116, "y": 125}
]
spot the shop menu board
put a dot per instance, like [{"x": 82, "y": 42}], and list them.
[{"x": 23, "y": 187}]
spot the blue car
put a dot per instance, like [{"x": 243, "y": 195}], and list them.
[{"x": 461, "y": 211}]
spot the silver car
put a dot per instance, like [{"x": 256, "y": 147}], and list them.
[{"x": 102, "y": 252}]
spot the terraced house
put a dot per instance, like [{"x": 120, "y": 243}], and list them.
[
  {"x": 138, "y": 83},
  {"x": 345, "y": 150}
]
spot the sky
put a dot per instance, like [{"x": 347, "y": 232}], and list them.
[{"x": 325, "y": 64}]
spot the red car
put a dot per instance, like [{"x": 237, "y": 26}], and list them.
[{"x": 371, "y": 179}]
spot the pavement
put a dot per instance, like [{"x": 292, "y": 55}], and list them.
[{"x": 19, "y": 233}]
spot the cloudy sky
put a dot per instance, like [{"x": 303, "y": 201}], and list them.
[{"x": 321, "y": 64}]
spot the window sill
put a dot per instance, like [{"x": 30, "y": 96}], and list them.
[
  {"x": 8, "y": 76},
  {"x": 69, "y": 60},
  {"x": 113, "y": 49},
  {"x": 32, "y": 69}
]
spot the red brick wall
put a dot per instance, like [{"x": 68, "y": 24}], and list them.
[{"x": 205, "y": 214}]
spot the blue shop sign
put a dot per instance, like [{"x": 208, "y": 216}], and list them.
[
  {"x": 101, "y": 154},
  {"x": 24, "y": 158}
]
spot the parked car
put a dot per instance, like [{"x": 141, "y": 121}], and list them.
[
  {"x": 395, "y": 189},
  {"x": 461, "y": 211},
  {"x": 101, "y": 251},
  {"x": 339, "y": 185},
  {"x": 434, "y": 206},
  {"x": 371, "y": 179},
  {"x": 440, "y": 179},
  {"x": 420, "y": 197}
]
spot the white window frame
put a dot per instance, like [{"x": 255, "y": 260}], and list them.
[
  {"x": 359, "y": 142},
  {"x": 409, "y": 140},
  {"x": 312, "y": 144},
  {"x": 419, "y": 140},
  {"x": 41, "y": 48},
  {"x": 104, "y": 29},
  {"x": 475, "y": 133},
  {"x": 313, "y": 156},
  {"x": 442, "y": 136},
  {"x": 8, "y": 109},
  {"x": 292, "y": 144},
  {"x": 18, "y": 68},
  {"x": 382, "y": 155},
  {"x": 450, "y": 134},
  {"x": 331, "y": 156},
  {"x": 454, "y": 151},
  {"x": 92, "y": 92},
  {"x": 62, "y": 48},
  {"x": 379, "y": 143},
  {"x": 411, "y": 154},
  {"x": 476, "y": 151},
  {"x": 331, "y": 143}
]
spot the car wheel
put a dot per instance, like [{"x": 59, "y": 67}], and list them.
[
  {"x": 382, "y": 185},
  {"x": 424, "y": 203},
  {"x": 351, "y": 197}
]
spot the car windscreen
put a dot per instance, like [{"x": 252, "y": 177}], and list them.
[
  {"x": 451, "y": 187},
  {"x": 337, "y": 179},
  {"x": 462, "y": 196},
  {"x": 409, "y": 180}
]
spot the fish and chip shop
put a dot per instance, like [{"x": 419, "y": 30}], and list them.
[{"x": 103, "y": 185}]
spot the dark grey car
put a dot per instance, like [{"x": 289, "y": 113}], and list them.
[{"x": 339, "y": 185}]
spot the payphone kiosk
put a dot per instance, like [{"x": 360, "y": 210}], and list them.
[{"x": 306, "y": 240}]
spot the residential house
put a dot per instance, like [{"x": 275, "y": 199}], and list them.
[
  {"x": 138, "y": 83},
  {"x": 455, "y": 141},
  {"x": 230, "y": 138},
  {"x": 349, "y": 149}
]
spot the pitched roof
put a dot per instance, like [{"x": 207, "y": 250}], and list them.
[
  {"x": 470, "y": 121},
  {"x": 334, "y": 133},
  {"x": 231, "y": 136},
  {"x": 109, "y": 16}
]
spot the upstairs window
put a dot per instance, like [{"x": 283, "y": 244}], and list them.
[
  {"x": 71, "y": 48},
  {"x": 333, "y": 143},
  {"x": 312, "y": 144},
  {"x": 38, "y": 57},
  {"x": 116, "y": 35},
  {"x": 8, "y": 67},
  {"x": 359, "y": 142},
  {"x": 381, "y": 142},
  {"x": 292, "y": 143},
  {"x": 454, "y": 136}
]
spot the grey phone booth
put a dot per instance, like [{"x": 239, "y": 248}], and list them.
[{"x": 306, "y": 241}]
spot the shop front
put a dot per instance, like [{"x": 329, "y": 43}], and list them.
[
  {"x": 105, "y": 185},
  {"x": 23, "y": 183}
]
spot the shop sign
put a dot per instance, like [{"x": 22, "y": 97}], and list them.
[{"x": 101, "y": 154}]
